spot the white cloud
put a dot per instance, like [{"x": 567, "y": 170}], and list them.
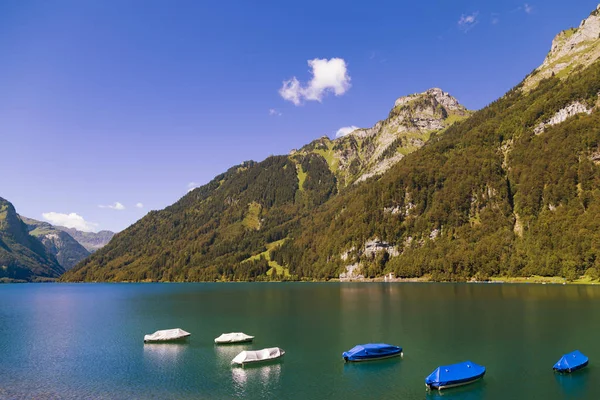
[
  {"x": 192, "y": 185},
  {"x": 466, "y": 22},
  {"x": 139, "y": 205},
  {"x": 328, "y": 76},
  {"x": 528, "y": 8},
  {"x": 71, "y": 220},
  {"x": 117, "y": 206},
  {"x": 291, "y": 91},
  {"x": 273, "y": 111},
  {"x": 345, "y": 130}
]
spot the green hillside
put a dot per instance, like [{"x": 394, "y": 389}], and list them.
[
  {"x": 489, "y": 197},
  {"x": 218, "y": 231},
  {"x": 22, "y": 256}
]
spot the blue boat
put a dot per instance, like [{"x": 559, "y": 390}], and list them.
[
  {"x": 571, "y": 362},
  {"x": 371, "y": 351},
  {"x": 447, "y": 376}
]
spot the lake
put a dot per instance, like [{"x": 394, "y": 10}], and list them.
[{"x": 74, "y": 341}]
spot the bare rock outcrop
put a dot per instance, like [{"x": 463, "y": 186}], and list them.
[
  {"x": 574, "y": 47},
  {"x": 562, "y": 115},
  {"x": 408, "y": 127},
  {"x": 372, "y": 247}
]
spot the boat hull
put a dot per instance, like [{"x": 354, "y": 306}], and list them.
[
  {"x": 262, "y": 362},
  {"x": 372, "y": 358},
  {"x": 235, "y": 342},
  {"x": 569, "y": 370},
  {"x": 176, "y": 340},
  {"x": 371, "y": 352},
  {"x": 571, "y": 362},
  {"x": 454, "y": 384}
]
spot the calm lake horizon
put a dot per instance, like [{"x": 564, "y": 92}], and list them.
[{"x": 84, "y": 341}]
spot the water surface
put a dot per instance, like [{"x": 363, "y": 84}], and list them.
[{"x": 74, "y": 341}]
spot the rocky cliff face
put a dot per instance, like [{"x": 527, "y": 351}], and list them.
[
  {"x": 575, "y": 47},
  {"x": 562, "y": 115},
  {"x": 369, "y": 152},
  {"x": 67, "y": 250},
  {"x": 22, "y": 256}
]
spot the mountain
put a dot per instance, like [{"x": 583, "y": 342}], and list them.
[
  {"x": 513, "y": 189},
  {"x": 91, "y": 241},
  {"x": 571, "y": 51},
  {"x": 365, "y": 153},
  {"x": 236, "y": 219},
  {"x": 60, "y": 244},
  {"x": 22, "y": 256}
]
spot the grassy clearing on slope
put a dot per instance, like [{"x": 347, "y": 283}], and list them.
[
  {"x": 273, "y": 264},
  {"x": 252, "y": 218},
  {"x": 301, "y": 177},
  {"x": 40, "y": 231},
  {"x": 328, "y": 155},
  {"x": 452, "y": 118},
  {"x": 570, "y": 32},
  {"x": 3, "y": 211}
]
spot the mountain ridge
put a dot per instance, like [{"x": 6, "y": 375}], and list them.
[
  {"x": 22, "y": 256},
  {"x": 368, "y": 152},
  {"x": 571, "y": 50}
]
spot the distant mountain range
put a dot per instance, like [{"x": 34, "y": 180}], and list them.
[
  {"x": 92, "y": 241},
  {"x": 32, "y": 250}
]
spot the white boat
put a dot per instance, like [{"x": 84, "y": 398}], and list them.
[
  {"x": 258, "y": 356},
  {"x": 168, "y": 335},
  {"x": 233, "y": 337}
]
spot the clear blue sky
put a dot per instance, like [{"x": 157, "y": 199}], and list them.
[{"x": 128, "y": 101}]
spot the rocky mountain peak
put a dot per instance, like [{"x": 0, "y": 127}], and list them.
[
  {"x": 10, "y": 223},
  {"x": 570, "y": 48},
  {"x": 435, "y": 94},
  {"x": 368, "y": 152}
]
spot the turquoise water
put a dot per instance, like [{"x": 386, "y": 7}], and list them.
[{"x": 85, "y": 341}]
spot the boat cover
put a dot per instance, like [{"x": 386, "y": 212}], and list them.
[
  {"x": 571, "y": 362},
  {"x": 250, "y": 356},
  {"x": 454, "y": 374},
  {"x": 371, "y": 350},
  {"x": 233, "y": 337},
  {"x": 166, "y": 335}
]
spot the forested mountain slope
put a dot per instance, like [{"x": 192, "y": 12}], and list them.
[
  {"x": 226, "y": 229},
  {"x": 488, "y": 197},
  {"x": 514, "y": 189},
  {"x": 22, "y": 256}
]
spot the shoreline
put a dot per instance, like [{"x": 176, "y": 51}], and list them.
[
  {"x": 535, "y": 279},
  {"x": 539, "y": 280}
]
